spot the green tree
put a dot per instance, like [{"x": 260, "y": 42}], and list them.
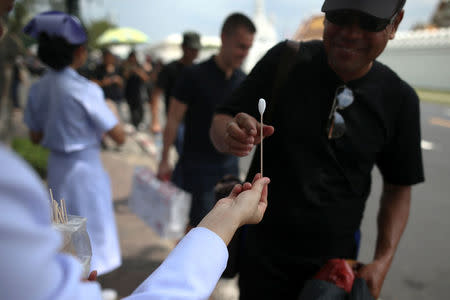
[
  {"x": 95, "y": 29},
  {"x": 23, "y": 10}
]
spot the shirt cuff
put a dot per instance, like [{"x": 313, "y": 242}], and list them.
[{"x": 192, "y": 269}]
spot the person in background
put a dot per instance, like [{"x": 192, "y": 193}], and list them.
[
  {"x": 199, "y": 89},
  {"x": 68, "y": 115},
  {"x": 337, "y": 113},
  {"x": 166, "y": 80},
  {"x": 134, "y": 76},
  {"x": 108, "y": 77},
  {"x": 18, "y": 77}
]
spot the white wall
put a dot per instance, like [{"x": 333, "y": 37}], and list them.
[{"x": 422, "y": 58}]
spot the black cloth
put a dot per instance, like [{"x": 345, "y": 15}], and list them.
[
  {"x": 112, "y": 91},
  {"x": 167, "y": 79},
  {"x": 202, "y": 87},
  {"x": 133, "y": 95},
  {"x": 318, "y": 186},
  {"x": 322, "y": 290}
]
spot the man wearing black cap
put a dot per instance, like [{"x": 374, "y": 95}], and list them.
[
  {"x": 337, "y": 113},
  {"x": 168, "y": 76}
]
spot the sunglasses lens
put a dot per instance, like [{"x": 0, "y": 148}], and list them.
[
  {"x": 338, "y": 129},
  {"x": 336, "y": 18},
  {"x": 365, "y": 22},
  {"x": 372, "y": 24}
]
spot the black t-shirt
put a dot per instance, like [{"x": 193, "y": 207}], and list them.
[
  {"x": 112, "y": 91},
  {"x": 202, "y": 87},
  {"x": 318, "y": 186},
  {"x": 167, "y": 79},
  {"x": 133, "y": 84}
]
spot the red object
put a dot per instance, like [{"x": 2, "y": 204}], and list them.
[{"x": 339, "y": 272}]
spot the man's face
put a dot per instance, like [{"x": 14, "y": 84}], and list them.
[
  {"x": 352, "y": 50},
  {"x": 236, "y": 45},
  {"x": 190, "y": 53},
  {"x": 108, "y": 59}
]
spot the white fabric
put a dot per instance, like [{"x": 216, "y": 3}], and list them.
[
  {"x": 30, "y": 265},
  {"x": 69, "y": 109},
  {"x": 32, "y": 268},
  {"x": 72, "y": 114},
  {"x": 79, "y": 179},
  {"x": 191, "y": 271}
]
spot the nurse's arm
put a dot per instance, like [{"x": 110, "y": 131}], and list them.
[
  {"x": 117, "y": 134},
  {"x": 36, "y": 136}
]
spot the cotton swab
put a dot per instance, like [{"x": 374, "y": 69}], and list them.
[
  {"x": 59, "y": 211},
  {"x": 261, "y": 108}
]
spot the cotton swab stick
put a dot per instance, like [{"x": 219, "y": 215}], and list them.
[
  {"x": 53, "y": 206},
  {"x": 261, "y": 108},
  {"x": 64, "y": 210},
  {"x": 59, "y": 211}
]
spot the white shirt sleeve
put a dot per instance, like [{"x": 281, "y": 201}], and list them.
[
  {"x": 191, "y": 271},
  {"x": 98, "y": 110},
  {"x": 31, "y": 266}
]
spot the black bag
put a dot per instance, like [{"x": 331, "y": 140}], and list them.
[{"x": 316, "y": 289}]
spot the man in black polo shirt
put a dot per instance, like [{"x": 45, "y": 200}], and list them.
[
  {"x": 168, "y": 76},
  {"x": 198, "y": 91},
  {"x": 336, "y": 115}
]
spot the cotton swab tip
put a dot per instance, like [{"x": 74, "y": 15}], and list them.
[{"x": 261, "y": 106}]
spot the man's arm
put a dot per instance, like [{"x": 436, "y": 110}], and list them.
[
  {"x": 103, "y": 82},
  {"x": 237, "y": 135},
  {"x": 218, "y": 130},
  {"x": 154, "y": 108},
  {"x": 117, "y": 134},
  {"x": 177, "y": 110},
  {"x": 392, "y": 219}
]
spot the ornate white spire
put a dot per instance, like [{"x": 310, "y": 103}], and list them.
[
  {"x": 260, "y": 8},
  {"x": 265, "y": 38}
]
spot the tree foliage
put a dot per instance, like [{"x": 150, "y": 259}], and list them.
[
  {"x": 24, "y": 10},
  {"x": 96, "y": 28}
]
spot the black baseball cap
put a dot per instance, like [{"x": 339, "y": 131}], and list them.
[
  {"x": 191, "y": 39},
  {"x": 382, "y": 9}
]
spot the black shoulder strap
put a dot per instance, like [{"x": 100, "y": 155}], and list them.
[{"x": 284, "y": 67}]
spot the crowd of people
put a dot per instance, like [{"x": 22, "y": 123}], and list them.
[{"x": 333, "y": 114}]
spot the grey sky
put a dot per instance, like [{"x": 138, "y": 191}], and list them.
[{"x": 159, "y": 18}]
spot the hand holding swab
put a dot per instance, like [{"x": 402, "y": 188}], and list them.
[{"x": 261, "y": 108}]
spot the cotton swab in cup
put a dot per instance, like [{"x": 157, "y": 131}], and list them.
[{"x": 261, "y": 108}]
